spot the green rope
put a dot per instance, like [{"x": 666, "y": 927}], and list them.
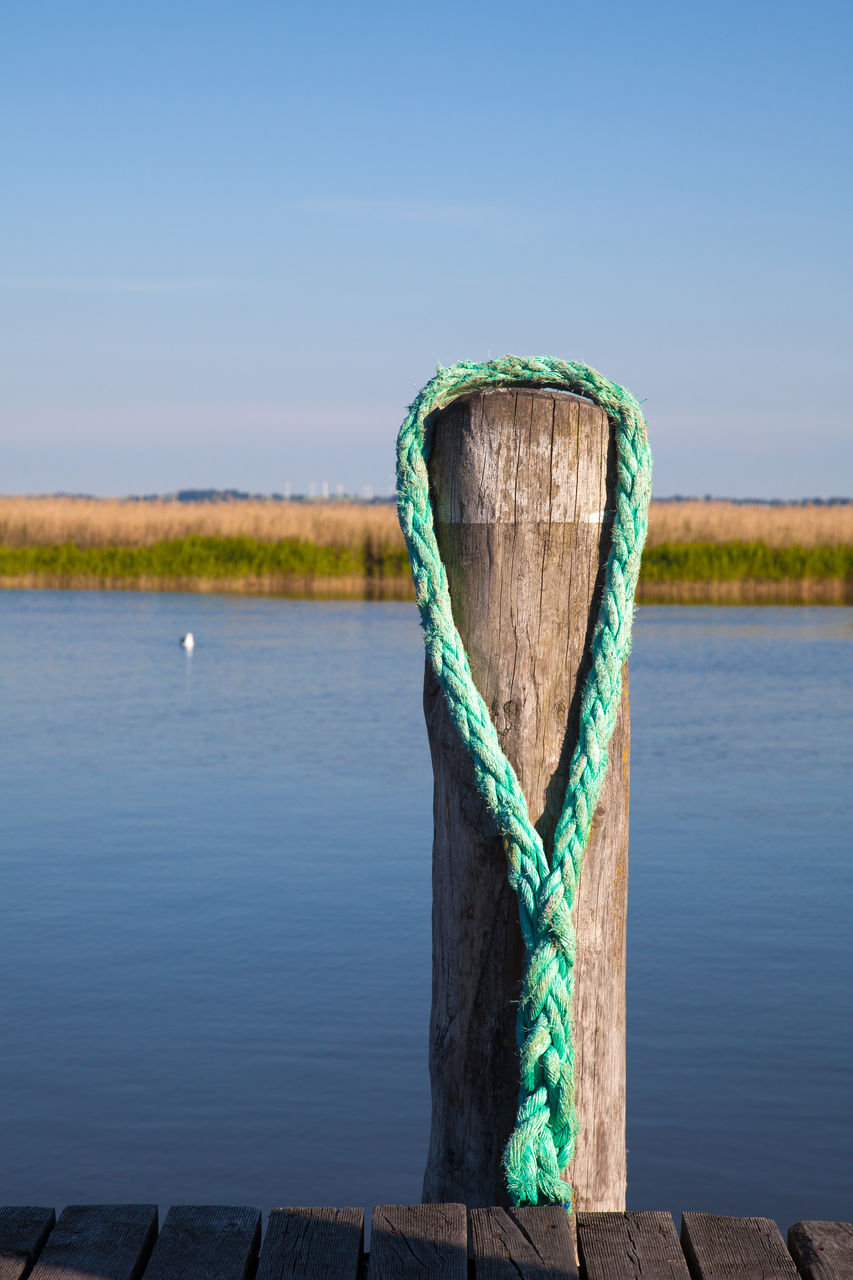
[{"x": 543, "y": 1141}]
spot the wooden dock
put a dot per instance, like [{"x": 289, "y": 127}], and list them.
[{"x": 450, "y": 1242}]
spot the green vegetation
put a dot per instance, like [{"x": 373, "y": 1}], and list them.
[
  {"x": 201, "y": 557},
  {"x": 245, "y": 557},
  {"x": 730, "y": 561}
]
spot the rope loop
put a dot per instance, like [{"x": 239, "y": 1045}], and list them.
[{"x": 542, "y": 1144}]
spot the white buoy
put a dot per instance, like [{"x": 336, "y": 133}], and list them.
[{"x": 187, "y": 642}]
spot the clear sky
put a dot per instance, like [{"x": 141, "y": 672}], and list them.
[{"x": 235, "y": 238}]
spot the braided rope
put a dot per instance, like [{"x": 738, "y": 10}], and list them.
[{"x": 543, "y": 1141}]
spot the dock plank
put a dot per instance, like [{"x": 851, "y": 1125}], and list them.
[
  {"x": 822, "y": 1250},
  {"x": 23, "y": 1231},
  {"x": 325, "y": 1244},
  {"x": 718, "y": 1248},
  {"x": 523, "y": 1244},
  {"x": 412, "y": 1241},
  {"x": 206, "y": 1242},
  {"x": 625, "y": 1246},
  {"x": 110, "y": 1241}
]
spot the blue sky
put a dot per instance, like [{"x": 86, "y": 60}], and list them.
[{"x": 236, "y": 238}]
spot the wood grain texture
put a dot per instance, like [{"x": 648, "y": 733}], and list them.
[
  {"x": 206, "y": 1242},
  {"x": 110, "y": 1241},
  {"x": 325, "y": 1244},
  {"x": 719, "y": 1248},
  {"x": 523, "y": 1244},
  {"x": 412, "y": 1242},
  {"x": 628, "y": 1246},
  {"x": 23, "y": 1231},
  {"x": 522, "y": 488},
  {"x": 822, "y": 1250}
]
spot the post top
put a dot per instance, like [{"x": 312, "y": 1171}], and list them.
[{"x": 520, "y": 455}]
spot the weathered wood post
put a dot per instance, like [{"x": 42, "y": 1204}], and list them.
[{"x": 522, "y": 487}]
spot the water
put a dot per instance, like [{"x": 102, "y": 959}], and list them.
[{"x": 215, "y": 871}]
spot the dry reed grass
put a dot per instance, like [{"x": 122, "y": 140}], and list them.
[
  {"x": 116, "y": 522},
  {"x": 787, "y": 525},
  {"x": 99, "y": 522}
]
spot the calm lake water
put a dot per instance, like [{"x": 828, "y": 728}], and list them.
[{"x": 215, "y": 878}]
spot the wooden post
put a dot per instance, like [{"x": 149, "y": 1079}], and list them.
[{"x": 522, "y": 489}]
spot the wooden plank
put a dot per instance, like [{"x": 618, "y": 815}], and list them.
[
  {"x": 110, "y": 1241},
  {"x": 325, "y": 1244},
  {"x": 523, "y": 1244},
  {"x": 626, "y": 1246},
  {"x": 523, "y": 496},
  {"x": 414, "y": 1241},
  {"x": 206, "y": 1242},
  {"x": 822, "y": 1250},
  {"x": 718, "y": 1248},
  {"x": 23, "y": 1231}
]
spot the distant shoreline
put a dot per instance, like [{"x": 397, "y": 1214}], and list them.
[
  {"x": 758, "y": 591},
  {"x": 288, "y": 586},
  {"x": 696, "y": 552}
]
